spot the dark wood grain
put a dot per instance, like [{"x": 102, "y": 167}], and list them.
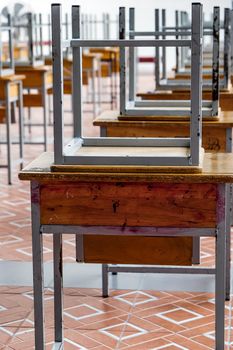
[
  {"x": 138, "y": 250},
  {"x": 129, "y": 204}
]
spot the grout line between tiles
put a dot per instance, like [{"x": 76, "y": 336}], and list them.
[{"x": 131, "y": 309}]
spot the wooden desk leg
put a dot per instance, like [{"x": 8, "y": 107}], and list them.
[
  {"x": 220, "y": 282},
  {"x": 44, "y": 94},
  {"x": 8, "y": 133},
  {"x": 21, "y": 123},
  {"x": 58, "y": 286},
  {"x": 38, "y": 276}
]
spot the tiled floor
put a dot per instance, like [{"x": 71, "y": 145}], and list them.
[{"x": 128, "y": 319}]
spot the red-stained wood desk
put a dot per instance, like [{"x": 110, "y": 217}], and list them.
[{"x": 154, "y": 215}]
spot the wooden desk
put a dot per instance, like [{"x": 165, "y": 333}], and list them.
[
  {"x": 216, "y": 137},
  {"x": 91, "y": 72},
  {"x": 109, "y": 53},
  {"x": 21, "y": 52},
  {"x": 11, "y": 92},
  {"x": 38, "y": 78},
  {"x": 92, "y": 68},
  {"x": 110, "y": 66},
  {"x": 226, "y": 98},
  {"x": 108, "y": 206}
]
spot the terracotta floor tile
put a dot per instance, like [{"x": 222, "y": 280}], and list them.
[
  {"x": 150, "y": 337},
  {"x": 112, "y": 322},
  {"x": 102, "y": 347},
  {"x": 110, "y": 339}
]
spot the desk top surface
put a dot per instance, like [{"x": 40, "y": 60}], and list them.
[
  {"x": 40, "y": 68},
  {"x": 217, "y": 168},
  {"x": 110, "y": 118},
  {"x": 105, "y": 49},
  {"x": 12, "y": 78}
]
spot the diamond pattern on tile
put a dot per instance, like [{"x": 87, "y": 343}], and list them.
[
  {"x": 12, "y": 328},
  {"x": 179, "y": 315},
  {"x": 205, "y": 255},
  {"x": 30, "y": 296},
  {"x": 16, "y": 201},
  {"x": 6, "y": 214},
  {"x": 28, "y": 250},
  {"x": 98, "y": 323},
  {"x": 6, "y": 239},
  {"x": 82, "y": 311},
  {"x": 140, "y": 297},
  {"x": 115, "y": 332},
  {"x": 70, "y": 241},
  {"x": 211, "y": 335},
  {"x": 22, "y": 223}
]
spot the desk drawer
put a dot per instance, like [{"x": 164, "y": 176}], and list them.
[
  {"x": 32, "y": 100},
  {"x": 129, "y": 204},
  {"x": 137, "y": 250}
]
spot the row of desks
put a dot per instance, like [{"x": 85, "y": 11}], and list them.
[
  {"x": 31, "y": 86},
  {"x": 134, "y": 216},
  {"x": 37, "y": 81}
]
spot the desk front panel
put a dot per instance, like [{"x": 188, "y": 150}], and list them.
[
  {"x": 128, "y": 204},
  {"x": 34, "y": 78}
]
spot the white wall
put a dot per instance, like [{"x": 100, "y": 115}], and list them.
[{"x": 144, "y": 8}]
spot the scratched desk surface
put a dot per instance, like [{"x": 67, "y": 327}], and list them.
[{"x": 217, "y": 168}]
